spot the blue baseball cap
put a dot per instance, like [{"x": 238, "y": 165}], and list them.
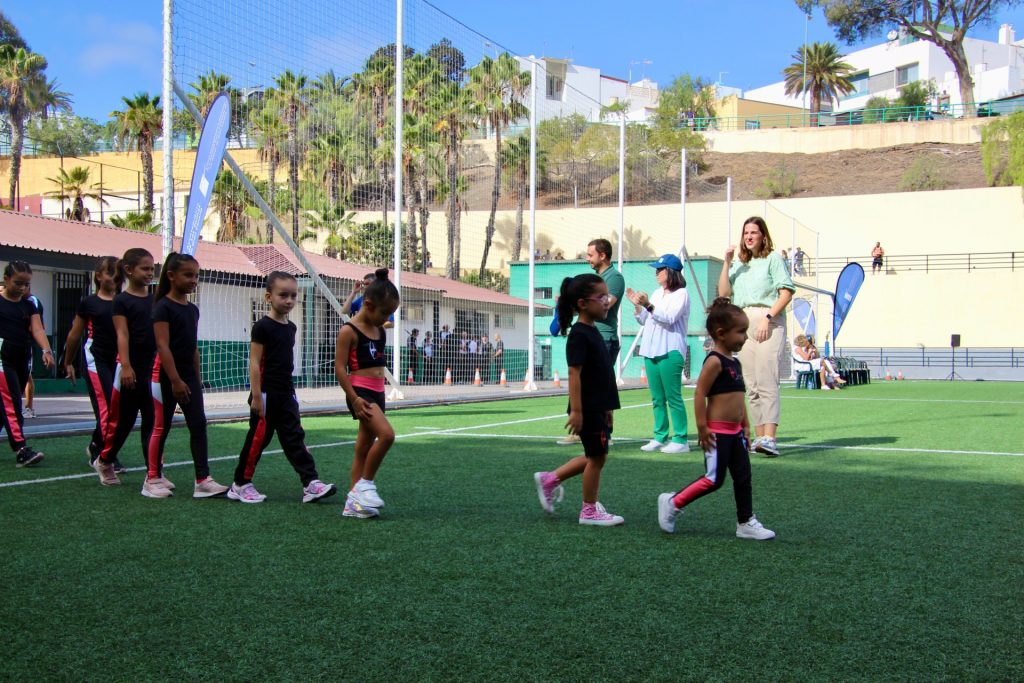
[{"x": 670, "y": 261}]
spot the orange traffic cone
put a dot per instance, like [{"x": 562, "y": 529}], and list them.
[
  {"x": 558, "y": 381},
  {"x": 410, "y": 379},
  {"x": 448, "y": 376},
  {"x": 503, "y": 382},
  {"x": 476, "y": 378},
  {"x": 899, "y": 374},
  {"x": 888, "y": 375},
  {"x": 643, "y": 375}
]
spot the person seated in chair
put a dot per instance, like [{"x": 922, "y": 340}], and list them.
[{"x": 805, "y": 354}]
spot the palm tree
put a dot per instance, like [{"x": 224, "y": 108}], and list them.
[
  {"x": 290, "y": 96},
  {"x": 271, "y": 136},
  {"x": 231, "y": 200},
  {"x": 515, "y": 160},
  {"x": 143, "y": 222},
  {"x": 207, "y": 87},
  {"x": 374, "y": 88},
  {"x": 336, "y": 221},
  {"x": 498, "y": 87},
  {"x": 136, "y": 128},
  {"x": 826, "y": 75},
  {"x": 74, "y": 186},
  {"x": 21, "y": 72},
  {"x": 48, "y": 98},
  {"x": 456, "y": 115}
]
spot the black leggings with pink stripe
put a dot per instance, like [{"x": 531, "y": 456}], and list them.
[
  {"x": 280, "y": 415},
  {"x": 13, "y": 376},
  {"x": 164, "y": 404},
  {"x": 731, "y": 453}
]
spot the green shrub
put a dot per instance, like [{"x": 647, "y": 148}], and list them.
[
  {"x": 780, "y": 182},
  {"x": 924, "y": 174},
  {"x": 1002, "y": 150},
  {"x": 875, "y": 109}
]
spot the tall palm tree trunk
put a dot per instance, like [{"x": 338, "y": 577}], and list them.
[
  {"x": 409, "y": 232},
  {"x": 17, "y": 142},
  {"x": 271, "y": 191},
  {"x": 146, "y": 149},
  {"x": 424, "y": 211},
  {"x": 517, "y": 239},
  {"x": 452, "y": 264},
  {"x": 495, "y": 193}
]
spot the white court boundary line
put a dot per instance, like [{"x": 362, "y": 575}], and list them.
[{"x": 464, "y": 430}]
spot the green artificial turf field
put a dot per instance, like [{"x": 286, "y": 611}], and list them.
[{"x": 898, "y": 510}]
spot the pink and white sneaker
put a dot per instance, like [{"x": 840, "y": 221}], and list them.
[
  {"x": 549, "y": 490},
  {"x": 596, "y": 515},
  {"x": 317, "y": 490},
  {"x": 246, "y": 493}
]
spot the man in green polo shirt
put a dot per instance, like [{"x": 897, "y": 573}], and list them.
[{"x": 599, "y": 254}]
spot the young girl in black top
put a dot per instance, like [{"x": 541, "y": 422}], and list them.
[
  {"x": 19, "y": 326},
  {"x": 359, "y": 361},
  {"x": 95, "y": 322},
  {"x": 131, "y": 312},
  {"x": 593, "y": 395},
  {"x": 272, "y": 402},
  {"x": 177, "y": 380},
  {"x": 722, "y": 426}
]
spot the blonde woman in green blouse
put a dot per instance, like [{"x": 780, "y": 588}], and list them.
[{"x": 759, "y": 283}]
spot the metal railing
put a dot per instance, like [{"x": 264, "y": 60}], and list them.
[
  {"x": 848, "y": 118},
  {"x": 921, "y": 263},
  {"x": 934, "y": 357}
]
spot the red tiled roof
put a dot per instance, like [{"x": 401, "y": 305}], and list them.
[{"x": 90, "y": 239}]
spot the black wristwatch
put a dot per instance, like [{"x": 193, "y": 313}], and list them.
[
  {"x": 650, "y": 308},
  {"x": 768, "y": 315}
]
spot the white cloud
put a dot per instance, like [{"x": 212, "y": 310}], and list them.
[{"x": 112, "y": 45}]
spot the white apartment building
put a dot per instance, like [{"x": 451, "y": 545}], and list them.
[
  {"x": 566, "y": 88},
  {"x": 882, "y": 70}
]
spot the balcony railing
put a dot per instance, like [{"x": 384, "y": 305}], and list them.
[{"x": 921, "y": 263}]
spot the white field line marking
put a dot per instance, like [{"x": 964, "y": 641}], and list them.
[
  {"x": 817, "y": 397},
  {"x": 278, "y": 451}
]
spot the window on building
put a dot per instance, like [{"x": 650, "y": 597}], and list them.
[
  {"x": 906, "y": 74},
  {"x": 412, "y": 311},
  {"x": 542, "y": 293},
  {"x": 859, "y": 81},
  {"x": 504, "y": 322},
  {"x": 555, "y": 86}
]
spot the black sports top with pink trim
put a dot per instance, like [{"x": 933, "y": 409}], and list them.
[
  {"x": 366, "y": 352},
  {"x": 730, "y": 379}
]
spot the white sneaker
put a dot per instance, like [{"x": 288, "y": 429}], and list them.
[
  {"x": 246, "y": 493},
  {"x": 767, "y": 446},
  {"x": 667, "y": 512},
  {"x": 652, "y": 445},
  {"x": 208, "y": 488},
  {"x": 569, "y": 440},
  {"x": 28, "y": 412},
  {"x": 365, "y": 494},
  {"x": 826, "y": 388},
  {"x": 754, "y": 530},
  {"x": 152, "y": 488},
  {"x": 675, "y": 447},
  {"x": 755, "y": 443},
  {"x": 317, "y": 490},
  {"x": 353, "y": 509}
]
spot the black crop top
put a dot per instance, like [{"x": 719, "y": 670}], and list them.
[
  {"x": 366, "y": 352},
  {"x": 730, "y": 379}
]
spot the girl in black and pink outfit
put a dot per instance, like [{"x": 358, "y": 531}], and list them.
[
  {"x": 176, "y": 377},
  {"x": 359, "y": 362},
  {"x": 273, "y": 406},
  {"x": 132, "y": 314},
  {"x": 94, "y": 321},
  {"x": 722, "y": 426},
  {"x": 19, "y": 327}
]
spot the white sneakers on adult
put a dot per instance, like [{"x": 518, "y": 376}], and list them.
[
  {"x": 652, "y": 445},
  {"x": 675, "y": 447}
]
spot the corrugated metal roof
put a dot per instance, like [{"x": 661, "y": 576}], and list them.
[{"x": 90, "y": 239}]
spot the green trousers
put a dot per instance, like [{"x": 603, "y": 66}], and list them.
[{"x": 665, "y": 378}]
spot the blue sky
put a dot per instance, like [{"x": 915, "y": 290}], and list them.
[{"x": 101, "y": 51}]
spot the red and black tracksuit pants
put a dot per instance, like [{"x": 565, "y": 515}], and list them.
[
  {"x": 125, "y": 406},
  {"x": 13, "y": 376},
  {"x": 731, "y": 454},
  {"x": 194, "y": 411},
  {"x": 280, "y": 415},
  {"x": 99, "y": 380}
]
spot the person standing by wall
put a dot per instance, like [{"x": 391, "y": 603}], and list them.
[
  {"x": 499, "y": 356},
  {"x": 758, "y": 283},
  {"x": 877, "y": 254}
]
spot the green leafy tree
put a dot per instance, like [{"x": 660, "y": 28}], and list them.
[
  {"x": 290, "y": 95},
  {"x": 374, "y": 90},
  {"x": 1002, "y": 150},
  {"x": 9, "y": 34},
  {"x": 338, "y": 222},
  {"x": 943, "y": 23},
  {"x": 74, "y": 185},
  {"x": 917, "y": 94},
  {"x": 271, "y": 139},
  {"x": 878, "y": 109},
  {"x": 450, "y": 59},
  {"x": 372, "y": 243},
  {"x": 231, "y": 200},
  {"x": 47, "y": 98},
  {"x": 21, "y": 73},
  {"x": 143, "y": 222},
  {"x": 826, "y": 75},
  {"x": 456, "y": 114},
  {"x": 683, "y": 96},
  {"x": 515, "y": 160},
  {"x": 70, "y": 136},
  {"x": 137, "y": 127},
  {"x": 494, "y": 280}
]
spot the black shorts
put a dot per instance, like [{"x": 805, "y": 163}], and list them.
[
  {"x": 369, "y": 395},
  {"x": 877, "y": 261},
  {"x": 595, "y": 435}
]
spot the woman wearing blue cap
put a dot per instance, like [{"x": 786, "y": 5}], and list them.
[{"x": 665, "y": 316}]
